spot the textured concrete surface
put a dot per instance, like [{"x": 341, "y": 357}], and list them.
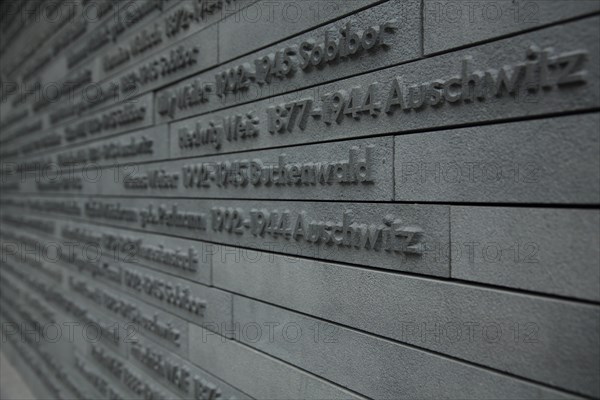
[
  {"x": 450, "y": 24},
  {"x": 377, "y": 367},
  {"x": 264, "y": 22},
  {"x": 577, "y": 35},
  {"x": 341, "y": 199},
  {"x": 547, "y": 250},
  {"x": 475, "y": 324},
  {"x": 195, "y": 381},
  {"x": 351, "y": 170}
]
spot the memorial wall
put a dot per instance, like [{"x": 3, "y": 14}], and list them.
[{"x": 301, "y": 199}]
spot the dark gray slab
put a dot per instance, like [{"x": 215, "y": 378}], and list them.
[
  {"x": 41, "y": 384},
  {"x": 125, "y": 18},
  {"x": 348, "y": 170},
  {"x": 189, "y": 300},
  {"x": 386, "y": 34},
  {"x": 57, "y": 76},
  {"x": 546, "y": 250},
  {"x": 140, "y": 146},
  {"x": 102, "y": 254},
  {"x": 105, "y": 386},
  {"x": 248, "y": 369},
  {"x": 78, "y": 29},
  {"x": 14, "y": 387},
  {"x": 16, "y": 219},
  {"x": 64, "y": 206},
  {"x": 551, "y": 160},
  {"x": 375, "y": 367},
  {"x": 506, "y": 331},
  {"x": 192, "y": 383},
  {"x": 388, "y": 304},
  {"x": 17, "y": 386},
  {"x": 127, "y": 377},
  {"x": 577, "y": 91},
  {"x": 48, "y": 350},
  {"x": 98, "y": 326},
  {"x": 179, "y": 20},
  {"x": 484, "y": 58},
  {"x": 38, "y": 37},
  {"x": 200, "y": 51},
  {"x": 167, "y": 329},
  {"x": 49, "y": 177},
  {"x": 23, "y": 132},
  {"x": 118, "y": 36},
  {"x": 183, "y": 20},
  {"x": 265, "y": 22},
  {"x": 75, "y": 320},
  {"x": 397, "y": 23},
  {"x": 138, "y": 110},
  {"x": 33, "y": 258},
  {"x": 450, "y": 24},
  {"x": 418, "y": 245},
  {"x": 149, "y": 250},
  {"x": 206, "y": 305}
]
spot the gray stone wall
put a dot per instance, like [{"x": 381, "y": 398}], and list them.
[{"x": 300, "y": 199}]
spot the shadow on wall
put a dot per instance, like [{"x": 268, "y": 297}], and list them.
[{"x": 12, "y": 385}]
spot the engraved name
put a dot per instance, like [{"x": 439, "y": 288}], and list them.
[
  {"x": 336, "y": 45},
  {"x": 240, "y": 173},
  {"x": 172, "y": 294},
  {"x": 126, "y": 115},
  {"x": 215, "y": 132},
  {"x": 177, "y": 59},
  {"x": 542, "y": 70},
  {"x": 109, "y": 151}
]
